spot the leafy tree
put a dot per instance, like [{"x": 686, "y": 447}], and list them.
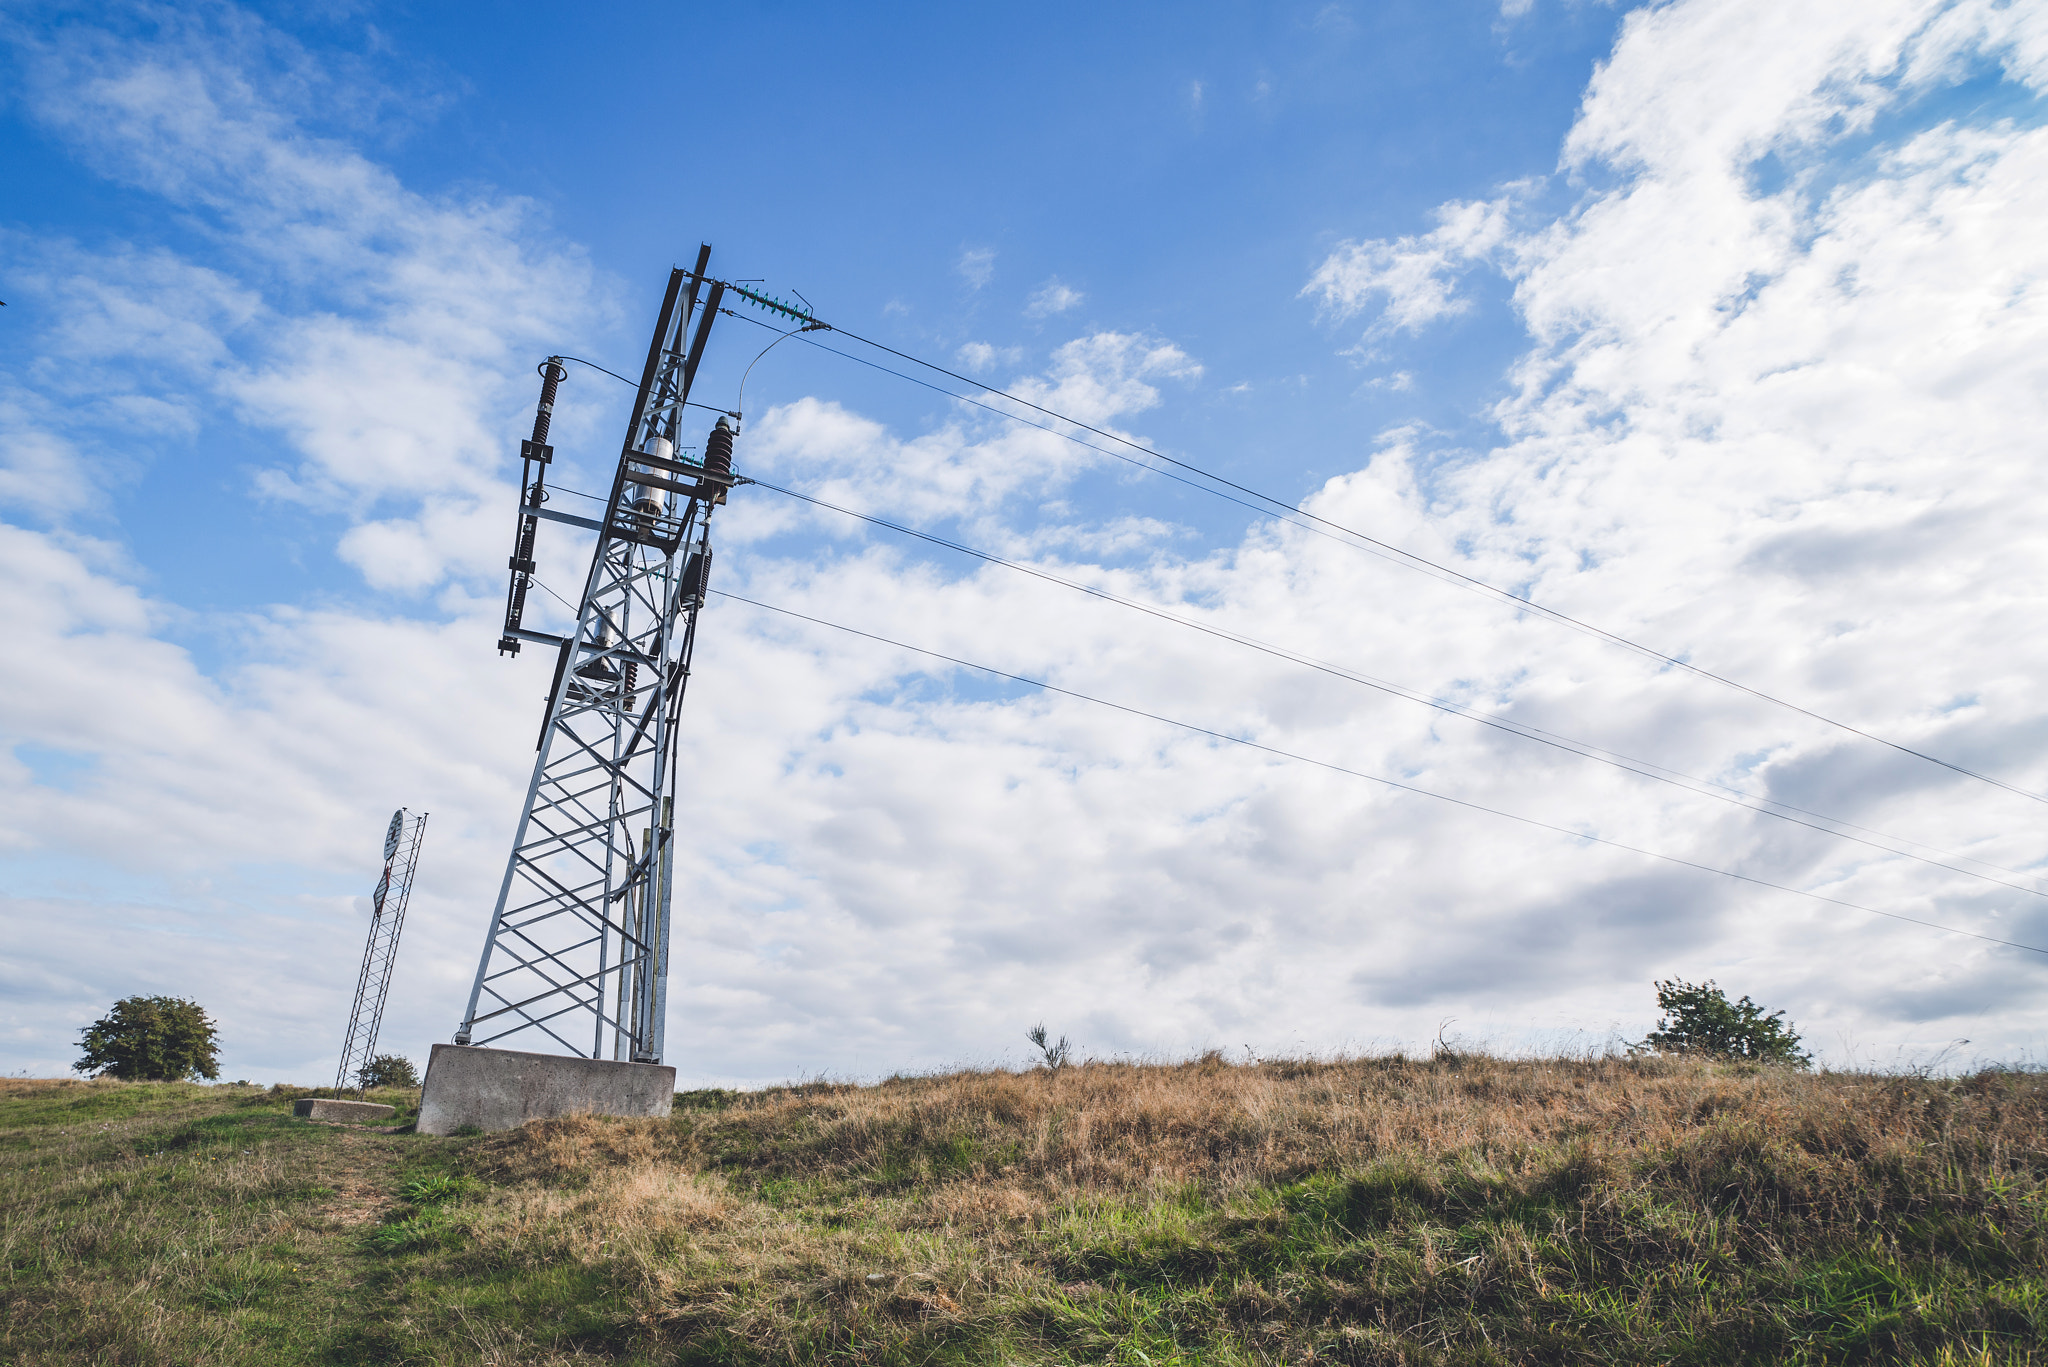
[
  {"x": 156, "y": 1039},
  {"x": 387, "y": 1070},
  {"x": 1699, "y": 1019}
]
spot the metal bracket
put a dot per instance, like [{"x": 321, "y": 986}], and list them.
[{"x": 587, "y": 523}]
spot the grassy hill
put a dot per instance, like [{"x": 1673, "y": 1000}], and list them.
[{"x": 1461, "y": 1210}]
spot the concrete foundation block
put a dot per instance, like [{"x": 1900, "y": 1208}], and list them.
[
  {"x": 350, "y": 1112},
  {"x": 502, "y": 1089}
]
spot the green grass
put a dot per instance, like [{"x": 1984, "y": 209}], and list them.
[
  {"x": 1373, "y": 1212},
  {"x": 80, "y": 1103},
  {"x": 158, "y": 1223}
]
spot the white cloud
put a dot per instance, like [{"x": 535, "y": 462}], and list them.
[
  {"x": 122, "y": 331},
  {"x": 977, "y": 266},
  {"x": 1052, "y": 297},
  {"x": 1412, "y": 278},
  {"x": 1791, "y": 435},
  {"x": 215, "y": 847},
  {"x": 983, "y": 356},
  {"x": 976, "y": 467},
  {"x": 1783, "y": 435},
  {"x": 40, "y": 472},
  {"x": 361, "y": 339},
  {"x": 373, "y": 327},
  {"x": 1103, "y": 376}
]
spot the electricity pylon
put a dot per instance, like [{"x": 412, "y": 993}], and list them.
[
  {"x": 577, "y": 952},
  {"x": 380, "y": 952}
]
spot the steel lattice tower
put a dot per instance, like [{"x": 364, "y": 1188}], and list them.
[
  {"x": 380, "y": 952},
  {"x": 577, "y": 954}
]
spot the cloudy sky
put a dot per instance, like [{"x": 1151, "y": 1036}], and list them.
[{"x": 1722, "y": 327}]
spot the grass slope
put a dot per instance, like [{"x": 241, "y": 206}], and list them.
[{"x": 1462, "y": 1210}]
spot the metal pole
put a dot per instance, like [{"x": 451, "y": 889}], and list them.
[{"x": 380, "y": 948}]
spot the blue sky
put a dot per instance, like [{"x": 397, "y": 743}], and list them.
[
  {"x": 1181, "y": 177},
  {"x": 1711, "y": 324}
]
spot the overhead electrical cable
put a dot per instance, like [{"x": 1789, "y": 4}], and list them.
[
  {"x": 1586, "y": 748},
  {"x": 1583, "y": 749},
  {"x": 599, "y": 369},
  {"x": 635, "y": 384},
  {"x": 1375, "y": 778},
  {"x": 1267, "y": 504},
  {"x": 740, "y": 403},
  {"x": 1019, "y": 418}
]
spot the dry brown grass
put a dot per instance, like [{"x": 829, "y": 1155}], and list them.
[
  {"x": 1022, "y": 1139},
  {"x": 985, "y": 1206},
  {"x": 1456, "y": 1210}
]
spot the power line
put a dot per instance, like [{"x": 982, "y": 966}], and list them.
[
  {"x": 598, "y": 368},
  {"x": 1260, "y": 509},
  {"x": 1571, "y": 745},
  {"x": 1375, "y": 778},
  {"x": 623, "y": 380},
  {"x": 1583, "y": 749},
  {"x": 1412, "y": 560}
]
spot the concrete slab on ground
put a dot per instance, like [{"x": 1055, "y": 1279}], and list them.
[
  {"x": 353, "y": 1112},
  {"x": 502, "y": 1089}
]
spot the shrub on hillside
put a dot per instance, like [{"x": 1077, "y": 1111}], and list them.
[
  {"x": 387, "y": 1070},
  {"x": 151, "y": 1039},
  {"x": 1699, "y": 1019},
  {"x": 1057, "y": 1056}
]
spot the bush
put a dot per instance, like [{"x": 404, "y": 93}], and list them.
[
  {"x": 1057, "y": 1056},
  {"x": 387, "y": 1070},
  {"x": 151, "y": 1039},
  {"x": 1700, "y": 1019}
]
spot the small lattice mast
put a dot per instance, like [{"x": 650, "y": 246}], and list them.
[{"x": 380, "y": 952}]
